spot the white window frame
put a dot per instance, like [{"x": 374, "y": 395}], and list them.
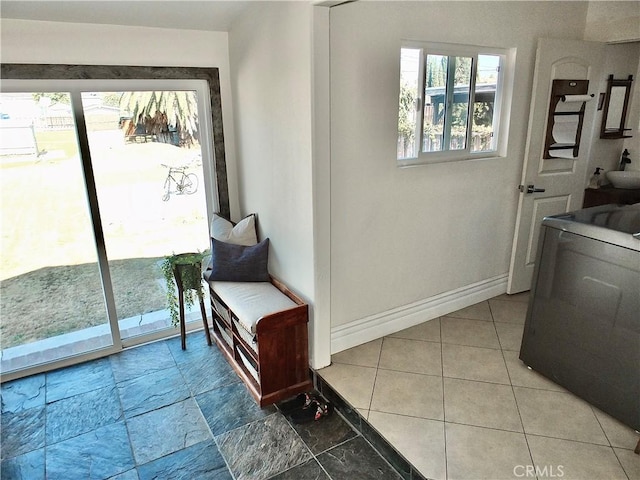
[{"x": 502, "y": 105}]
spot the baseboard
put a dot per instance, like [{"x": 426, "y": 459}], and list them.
[{"x": 378, "y": 325}]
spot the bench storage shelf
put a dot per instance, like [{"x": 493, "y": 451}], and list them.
[{"x": 261, "y": 328}]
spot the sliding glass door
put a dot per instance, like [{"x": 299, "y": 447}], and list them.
[
  {"x": 148, "y": 170},
  {"x": 51, "y": 298},
  {"x": 98, "y": 186}
]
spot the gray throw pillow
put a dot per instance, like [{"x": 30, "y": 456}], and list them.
[{"x": 238, "y": 263}]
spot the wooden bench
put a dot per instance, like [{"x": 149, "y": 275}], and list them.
[{"x": 261, "y": 328}]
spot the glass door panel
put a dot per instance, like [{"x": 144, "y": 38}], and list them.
[
  {"x": 51, "y": 299},
  {"x": 147, "y": 164}
]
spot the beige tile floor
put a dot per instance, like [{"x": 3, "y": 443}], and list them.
[{"x": 452, "y": 396}]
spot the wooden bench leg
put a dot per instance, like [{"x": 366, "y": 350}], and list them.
[{"x": 204, "y": 322}]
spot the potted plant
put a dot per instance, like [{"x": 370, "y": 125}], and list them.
[{"x": 189, "y": 267}]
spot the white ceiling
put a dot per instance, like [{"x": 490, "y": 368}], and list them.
[{"x": 209, "y": 15}]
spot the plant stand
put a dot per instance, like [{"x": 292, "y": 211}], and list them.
[{"x": 178, "y": 273}]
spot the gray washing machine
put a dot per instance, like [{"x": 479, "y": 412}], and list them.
[{"x": 583, "y": 321}]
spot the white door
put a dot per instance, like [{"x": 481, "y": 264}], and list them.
[{"x": 560, "y": 181}]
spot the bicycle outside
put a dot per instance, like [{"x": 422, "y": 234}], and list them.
[{"x": 185, "y": 183}]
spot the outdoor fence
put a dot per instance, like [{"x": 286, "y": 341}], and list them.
[{"x": 479, "y": 142}]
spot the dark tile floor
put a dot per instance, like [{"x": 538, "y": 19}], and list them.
[{"x": 158, "y": 412}]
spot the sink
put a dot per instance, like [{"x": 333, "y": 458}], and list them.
[{"x": 628, "y": 179}]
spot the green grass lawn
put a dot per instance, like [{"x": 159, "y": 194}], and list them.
[
  {"x": 57, "y": 140},
  {"x": 54, "y": 300},
  {"x": 48, "y": 275}
]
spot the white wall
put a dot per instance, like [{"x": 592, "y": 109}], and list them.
[
  {"x": 403, "y": 236},
  {"x": 621, "y": 60},
  {"x": 321, "y": 106},
  {"x": 272, "y": 75},
  {"x": 270, "y": 58},
  {"x": 613, "y": 21},
  {"x": 633, "y": 143},
  {"x": 26, "y": 41}
]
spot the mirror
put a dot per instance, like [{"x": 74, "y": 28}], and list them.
[{"x": 616, "y": 104}]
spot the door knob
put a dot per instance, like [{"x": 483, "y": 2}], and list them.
[{"x": 530, "y": 189}]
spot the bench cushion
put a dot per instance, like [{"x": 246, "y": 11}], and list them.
[{"x": 251, "y": 301}]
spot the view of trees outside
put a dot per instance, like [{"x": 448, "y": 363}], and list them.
[
  {"x": 409, "y": 66},
  {"x": 436, "y": 70},
  {"x": 483, "y": 111},
  {"x": 434, "y": 111},
  {"x": 170, "y": 116}
]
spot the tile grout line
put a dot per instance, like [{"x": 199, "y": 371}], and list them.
[
  {"x": 44, "y": 448},
  {"x": 313, "y": 455},
  {"x": 444, "y": 410},
  {"x": 513, "y": 392},
  {"x": 360, "y": 431},
  {"x": 213, "y": 437},
  {"x": 375, "y": 378},
  {"x": 124, "y": 421}
]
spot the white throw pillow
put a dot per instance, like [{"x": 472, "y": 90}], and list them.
[{"x": 242, "y": 233}]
